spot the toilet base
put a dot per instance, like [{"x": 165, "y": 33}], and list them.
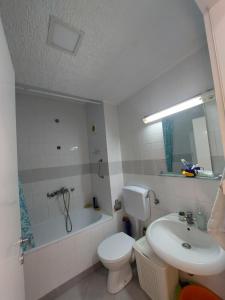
[{"x": 118, "y": 279}]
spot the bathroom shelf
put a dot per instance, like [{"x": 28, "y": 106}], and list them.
[{"x": 216, "y": 177}]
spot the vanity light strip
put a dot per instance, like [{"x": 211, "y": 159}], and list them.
[{"x": 173, "y": 110}]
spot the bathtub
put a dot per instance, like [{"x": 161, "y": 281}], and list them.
[
  {"x": 59, "y": 256},
  {"x": 54, "y": 229}
]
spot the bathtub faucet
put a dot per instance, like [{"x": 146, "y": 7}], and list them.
[{"x": 59, "y": 192}]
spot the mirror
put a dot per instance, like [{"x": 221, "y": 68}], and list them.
[{"x": 193, "y": 136}]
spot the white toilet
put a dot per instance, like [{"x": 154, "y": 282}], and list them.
[{"x": 115, "y": 252}]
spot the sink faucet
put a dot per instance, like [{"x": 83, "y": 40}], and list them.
[{"x": 189, "y": 218}]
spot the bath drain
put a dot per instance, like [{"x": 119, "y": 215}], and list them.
[{"x": 186, "y": 245}]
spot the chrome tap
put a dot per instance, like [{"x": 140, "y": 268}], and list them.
[{"x": 189, "y": 218}]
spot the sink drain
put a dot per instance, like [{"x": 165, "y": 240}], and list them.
[{"x": 186, "y": 245}]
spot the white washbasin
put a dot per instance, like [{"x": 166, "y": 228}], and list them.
[{"x": 167, "y": 236}]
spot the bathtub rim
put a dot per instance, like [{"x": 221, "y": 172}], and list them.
[{"x": 103, "y": 218}]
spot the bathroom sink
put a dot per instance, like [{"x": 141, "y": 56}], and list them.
[{"x": 185, "y": 247}]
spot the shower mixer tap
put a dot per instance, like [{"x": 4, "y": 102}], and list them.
[
  {"x": 65, "y": 196},
  {"x": 58, "y": 192}
]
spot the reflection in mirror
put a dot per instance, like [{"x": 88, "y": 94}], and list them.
[{"x": 193, "y": 136}]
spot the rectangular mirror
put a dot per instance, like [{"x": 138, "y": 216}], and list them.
[{"x": 193, "y": 135}]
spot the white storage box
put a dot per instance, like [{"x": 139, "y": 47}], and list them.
[{"x": 156, "y": 277}]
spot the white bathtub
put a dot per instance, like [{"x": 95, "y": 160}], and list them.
[
  {"x": 54, "y": 229},
  {"x": 59, "y": 256}
]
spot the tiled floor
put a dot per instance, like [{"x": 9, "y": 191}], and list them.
[{"x": 93, "y": 287}]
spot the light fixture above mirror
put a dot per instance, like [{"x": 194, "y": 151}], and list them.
[{"x": 173, "y": 110}]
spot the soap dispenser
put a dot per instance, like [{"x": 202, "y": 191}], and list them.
[{"x": 201, "y": 221}]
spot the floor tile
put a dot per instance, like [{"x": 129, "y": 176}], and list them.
[
  {"x": 93, "y": 287},
  {"x": 132, "y": 291},
  {"x": 78, "y": 292}
]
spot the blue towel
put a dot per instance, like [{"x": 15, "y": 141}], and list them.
[{"x": 26, "y": 229}]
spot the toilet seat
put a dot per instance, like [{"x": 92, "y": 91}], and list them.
[{"x": 116, "y": 247}]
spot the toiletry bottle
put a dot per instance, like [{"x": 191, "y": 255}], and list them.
[
  {"x": 127, "y": 225},
  {"x": 95, "y": 203},
  {"x": 201, "y": 220}
]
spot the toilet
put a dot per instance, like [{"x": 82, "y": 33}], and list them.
[{"x": 116, "y": 251}]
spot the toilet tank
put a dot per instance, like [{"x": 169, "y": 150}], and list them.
[{"x": 136, "y": 202}]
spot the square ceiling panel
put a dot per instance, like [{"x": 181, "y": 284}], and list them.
[{"x": 63, "y": 36}]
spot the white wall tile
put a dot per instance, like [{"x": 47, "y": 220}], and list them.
[
  {"x": 38, "y": 135},
  {"x": 154, "y": 150},
  {"x": 177, "y": 193},
  {"x": 161, "y": 93},
  {"x": 112, "y": 132},
  {"x": 116, "y": 186},
  {"x": 139, "y": 141},
  {"x": 41, "y": 208},
  {"x": 98, "y": 150},
  {"x": 101, "y": 190}
]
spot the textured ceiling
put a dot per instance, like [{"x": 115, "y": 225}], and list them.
[{"x": 127, "y": 43}]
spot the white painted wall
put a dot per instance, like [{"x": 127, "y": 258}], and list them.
[{"x": 11, "y": 272}]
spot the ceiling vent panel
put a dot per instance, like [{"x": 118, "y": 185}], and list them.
[{"x": 63, "y": 37}]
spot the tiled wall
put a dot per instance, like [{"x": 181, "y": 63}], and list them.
[
  {"x": 177, "y": 193},
  {"x": 43, "y": 168},
  {"x": 54, "y": 168},
  {"x": 97, "y": 151},
  {"x": 213, "y": 128},
  {"x": 114, "y": 151},
  {"x": 142, "y": 146},
  {"x": 39, "y": 134},
  {"x": 150, "y": 158},
  {"x": 42, "y": 208},
  {"x": 188, "y": 78}
]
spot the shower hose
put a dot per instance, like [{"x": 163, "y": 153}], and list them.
[{"x": 66, "y": 202}]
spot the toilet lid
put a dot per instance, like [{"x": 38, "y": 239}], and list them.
[{"x": 116, "y": 246}]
